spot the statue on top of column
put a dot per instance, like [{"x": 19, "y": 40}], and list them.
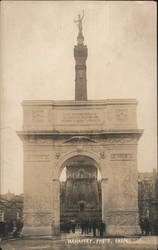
[{"x": 79, "y": 22}]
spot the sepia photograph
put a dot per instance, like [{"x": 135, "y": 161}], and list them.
[{"x": 78, "y": 127}]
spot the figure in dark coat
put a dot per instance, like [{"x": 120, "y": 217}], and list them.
[
  {"x": 2, "y": 229},
  {"x": 146, "y": 226},
  {"x": 101, "y": 228},
  {"x": 94, "y": 227}
]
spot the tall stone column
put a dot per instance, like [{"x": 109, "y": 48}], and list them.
[{"x": 80, "y": 54}]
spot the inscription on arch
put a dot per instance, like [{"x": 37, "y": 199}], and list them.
[{"x": 122, "y": 156}]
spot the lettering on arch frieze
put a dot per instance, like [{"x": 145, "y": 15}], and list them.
[
  {"x": 122, "y": 156},
  {"x": 40, "y": 140},
  {"x": 37, "y": 157}
]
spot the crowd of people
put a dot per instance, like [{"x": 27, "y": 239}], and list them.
[
  {"x": 10, "y": 228},
  {"x": 96, "y": 227},
  {"x": 13, "y": 228},
  {"x": 148, "y": 227}
]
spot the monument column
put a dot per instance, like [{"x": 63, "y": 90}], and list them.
[{"x": 80, "y": 54}]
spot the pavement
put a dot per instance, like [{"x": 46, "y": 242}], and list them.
[{"x": 78, "y": 241}]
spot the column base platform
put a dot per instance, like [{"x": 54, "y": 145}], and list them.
[
  {"x": 121, "y": 230},
  {"x": 37, "y": 231}
]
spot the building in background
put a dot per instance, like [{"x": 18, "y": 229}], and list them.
[
  {"x": 148, "y": 198},
  {"x": 11, "y": 206}
]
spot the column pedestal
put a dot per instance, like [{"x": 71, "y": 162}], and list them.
[{"x": 37, "y": 231}]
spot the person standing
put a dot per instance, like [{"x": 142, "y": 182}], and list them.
[
  {"x": 94, "y": 227},
  {"x": 142, "y": 226},
  {"x": 10, "y": 226},
  {"x": 146, "y": 226},
  {"x": 1, "y": 226},
  {"x": 101, "y": 228},
  {"x": 73, "y": 226},
  {"x": 6, "y": 229},
  {"x": 82, "y": 227},
  {"x": 2, "y": 229}
]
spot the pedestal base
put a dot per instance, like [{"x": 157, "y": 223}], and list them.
[
  {"x": 37, "y": 231},
  {"x": 56, "y": 230},
  {"x": 122, "y": 230}
]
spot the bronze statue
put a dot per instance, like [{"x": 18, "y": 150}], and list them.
[{"x": 79, "y": 22}]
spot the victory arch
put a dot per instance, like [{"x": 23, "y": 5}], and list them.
[{"x": 102, "y": 131}]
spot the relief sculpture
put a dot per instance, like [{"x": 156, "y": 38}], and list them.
[
  {"x": 121, "y": 115},
  {"x": 37, "y": 202},
  {"x": 102, "y": 155},
  {"x": 37, "y": 115},
  {"x": 38, "y": 219},
  {"x": 129, "y": 188},
  {"x": 122, "y": 139},
  {"x": 124, "y": 218}
]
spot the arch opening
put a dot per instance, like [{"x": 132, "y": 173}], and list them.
[{"x": 80, "y": 192}]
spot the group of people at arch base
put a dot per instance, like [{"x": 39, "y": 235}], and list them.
[
  {"x": 10, "y": 228},
  {"x": 97, "y": 227},
  {"x": 148, "y": 227}
]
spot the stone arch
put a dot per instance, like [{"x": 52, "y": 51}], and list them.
[
  {"x": 60, "y": 164},
  {"x": 96, "y": 161}
]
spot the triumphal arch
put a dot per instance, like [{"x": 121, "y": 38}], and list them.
[{"x": 104, "y": 132}]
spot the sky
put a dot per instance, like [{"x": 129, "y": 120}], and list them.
[{"x": 37, "y": 63}]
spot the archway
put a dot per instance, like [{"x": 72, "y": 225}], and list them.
[{"x": 80, "y": 192}]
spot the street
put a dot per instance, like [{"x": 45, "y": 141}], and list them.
[{"x": 80, "y": 243}]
